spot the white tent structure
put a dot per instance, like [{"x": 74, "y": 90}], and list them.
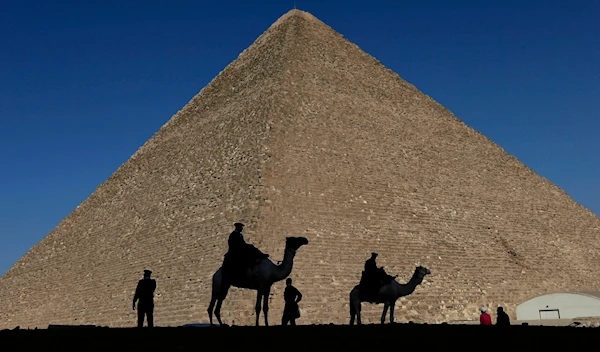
[{"x": 560, "y": 306}]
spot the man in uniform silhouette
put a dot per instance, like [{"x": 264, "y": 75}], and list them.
[
  {"x": 241, "y": 255},
  {"x": 292, "y": 297},
  {"x": 145, "y": 293}
]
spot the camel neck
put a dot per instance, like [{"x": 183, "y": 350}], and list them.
[
  {"x": 414, "y": 281},
  {"x": 285, "y": 268}
]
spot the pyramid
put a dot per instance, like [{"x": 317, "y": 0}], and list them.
[{"x": 304, "y": 134}]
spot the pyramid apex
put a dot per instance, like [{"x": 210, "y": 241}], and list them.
[{"x": 296, "y": 13}]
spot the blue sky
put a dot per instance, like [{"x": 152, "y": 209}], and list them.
[{"x": 83, "y": 84}]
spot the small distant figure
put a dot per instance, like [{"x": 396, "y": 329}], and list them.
[
  {"x": 292, "y": 297},
  {"x": 240, "y": 255},
  {"x": 502, "y": 318},
  {"x": 484, "y": 318},
  {"x": 145, "y": 293}
]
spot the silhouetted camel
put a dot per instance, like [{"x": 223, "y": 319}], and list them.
[
  {"x": 388, "y": 295},
  {"x": 260, "y": 278}
]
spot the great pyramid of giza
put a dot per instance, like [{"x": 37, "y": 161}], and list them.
[{"x": 304, "y": 134}]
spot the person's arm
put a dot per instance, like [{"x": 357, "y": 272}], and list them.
[
  {"x": 137, "y": 295},
  {"x": 298, "y": 296}
]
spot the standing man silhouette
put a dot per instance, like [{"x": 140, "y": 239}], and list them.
[
  {"x": 502, "y": 318},
  {"x": 145, "y": 293},
  {"x": 292, "y": 297}
]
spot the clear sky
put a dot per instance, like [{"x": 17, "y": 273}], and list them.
[{"x": 83, "y": 84}]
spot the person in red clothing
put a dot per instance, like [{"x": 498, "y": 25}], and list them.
[{"x": 484, "y": 318}]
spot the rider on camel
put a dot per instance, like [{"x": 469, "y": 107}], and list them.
[
  {"x": 373, "y": 277},
  {"x": 241, "y": 255}
]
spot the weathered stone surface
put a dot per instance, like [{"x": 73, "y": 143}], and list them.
[{"x": 305, "y": 134}]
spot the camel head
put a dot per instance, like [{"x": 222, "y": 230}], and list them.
[
  {"x": 294, "y": 243},
  {"x": 421, "y": 271}
]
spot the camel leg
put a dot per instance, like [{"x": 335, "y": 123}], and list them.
[
  {"x": 220, "y": 298},
  {"x": 257, "y": 308},
  {"x": 355, "y": 312},
  {"x": 392, "y": 306},
  {"x": 211, "y": 307},
  {"x": 266, "y": 305},
  {"x": 354, "y": 306},
  {"x": 216, "y": 282},
  {"x": 218, "y": 311},
  {"x": 386, "y": 305}
]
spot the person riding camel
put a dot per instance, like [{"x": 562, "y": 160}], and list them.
[
  {"x": 371, "y": 264},
  {"x": 241, "y": 255},
  {"x": 373, "y": 277}
]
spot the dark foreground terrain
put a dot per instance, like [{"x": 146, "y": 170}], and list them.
[{"x": 398, "y": 337}]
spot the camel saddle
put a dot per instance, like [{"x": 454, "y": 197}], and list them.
[
  {"x": 371, "y": 283},
  {"x": 236, "y": 263}
]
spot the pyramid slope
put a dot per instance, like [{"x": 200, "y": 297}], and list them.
[
  {"x": 305, "y": 134},
  {"x": 167, "y": 207}
]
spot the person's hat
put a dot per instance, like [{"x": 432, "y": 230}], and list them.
[
  {"x": 483, "y": 309},
  {"x": 238, "y": 224},
  {"x": 147, "y": 272},
  {"x": 374, "y": 254}
]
